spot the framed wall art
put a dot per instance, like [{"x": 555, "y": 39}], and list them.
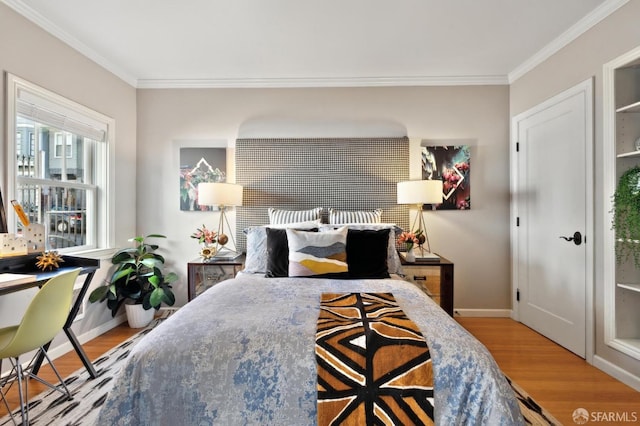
[
  {"x": 199, "y": 164},
  {"x": 452, "y": 165}
]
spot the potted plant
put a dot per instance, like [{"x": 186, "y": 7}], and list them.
[
  {"x": 137, "y": 279},
  {"x": 626, "y": 216}
]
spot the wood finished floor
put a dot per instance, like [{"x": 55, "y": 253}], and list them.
[
  {"x": 554, "y": 377},
  {"x": 557, "y": 379}
]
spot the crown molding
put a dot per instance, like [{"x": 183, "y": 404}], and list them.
[
  {"x": 575, "y": 31},
  {"x": 597, "y": 15},
  {"x": 76, "y": 44},
  {"x": 142, "y": 83},
  {"x": 322, "y": 82}
]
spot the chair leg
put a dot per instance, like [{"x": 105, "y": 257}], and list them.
[
  {"x": 3, "y": 395},
  {"x": 22, "y": 376},
  {"x": 55, "y": 370},
  {"x": 24, "y": 403},
  {"x": 8, "y": 382}
]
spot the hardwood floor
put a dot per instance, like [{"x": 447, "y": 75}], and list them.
[
  {"x": 557, "y": 379},
  {"x": 554, "y": 377}
]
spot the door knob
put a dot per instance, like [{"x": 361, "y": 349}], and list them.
[{"x": 577, "y": 238}]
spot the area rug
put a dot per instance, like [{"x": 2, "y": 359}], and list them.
[{"x": 50, "y": 408}]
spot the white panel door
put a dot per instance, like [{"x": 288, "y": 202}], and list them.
[{"x": 553, "y": 175}]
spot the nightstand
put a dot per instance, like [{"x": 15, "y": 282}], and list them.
[
  {"x": 435, "y": 278},
  {"x": 203, "y": 274}
]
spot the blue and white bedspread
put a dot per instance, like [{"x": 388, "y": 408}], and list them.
[{"x": 243, "y": 353}]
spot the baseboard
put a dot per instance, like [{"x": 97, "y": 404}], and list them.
[
  {"x": 614, "y": 371},
  {"x": 487, "y": 313}
]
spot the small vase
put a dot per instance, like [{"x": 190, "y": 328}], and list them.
[{"x": 411, "y": 256}]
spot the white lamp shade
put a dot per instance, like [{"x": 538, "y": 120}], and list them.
[
  {"x": 219, "y": 194},
  {"x": 420, "y": 192}
]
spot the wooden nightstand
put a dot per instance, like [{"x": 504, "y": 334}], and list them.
[
  {"x": 203, "y": 274},
  {"x": 435, "y": 278}
]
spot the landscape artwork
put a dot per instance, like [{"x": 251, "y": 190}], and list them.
[
  {"x": 199, "y": 165},
  {"x": 452, "y": 165}
]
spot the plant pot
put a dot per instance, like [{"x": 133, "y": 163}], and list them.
[{"x": 138, "y": 317}]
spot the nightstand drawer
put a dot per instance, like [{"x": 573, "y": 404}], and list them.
[
  {"x": 435, "y": 279},
  {"x": 427, "y": 278}
]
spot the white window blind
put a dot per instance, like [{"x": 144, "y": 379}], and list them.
[{"x": 32, "y": 106}]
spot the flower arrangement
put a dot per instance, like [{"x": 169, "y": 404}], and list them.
[
  {"x": 411, "y": 238},
  {"x": 204, "y": 235}
]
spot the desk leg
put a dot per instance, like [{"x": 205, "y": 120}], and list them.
[
  {"x": 446, "y": 288},
  {"x": 70, "y": 334}
]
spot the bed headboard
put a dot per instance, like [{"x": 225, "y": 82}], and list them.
[{"x": 297, "y": 174}]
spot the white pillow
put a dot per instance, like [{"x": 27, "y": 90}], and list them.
[
  {"x": 354, "y": 216},
  {"x": 313, "y": 254},
  {"x": 279, "y": 216}
]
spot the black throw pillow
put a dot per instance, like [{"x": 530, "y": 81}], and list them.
[
  {"x": 367, "y": 253},
  {"x": 278, "y": 252}
]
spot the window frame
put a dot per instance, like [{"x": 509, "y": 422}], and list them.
[{"x": 103, "y": 231}]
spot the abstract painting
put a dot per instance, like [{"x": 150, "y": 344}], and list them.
[
  {"x": 199, "y": 165},
  {"x": 452, "y": 165}
]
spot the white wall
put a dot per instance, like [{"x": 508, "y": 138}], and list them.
[
  {"x": 580, "y": 60},
  {"x": 33, "y": 54},
  {"x": 476, "y": 240}
]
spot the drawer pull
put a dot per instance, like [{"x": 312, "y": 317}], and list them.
[{"x": 419, "y": 277}]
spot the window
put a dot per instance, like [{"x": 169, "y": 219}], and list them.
[
  {"x": 63, "y": 145},
  {"x": 57, "y": 166}
]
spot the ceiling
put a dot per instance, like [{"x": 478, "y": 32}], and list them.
[{"x": 306, "y": 43}]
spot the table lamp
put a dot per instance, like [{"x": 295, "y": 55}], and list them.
[
  {"x": 417, "y": 193},
  {"x": 221, "y": 195}
]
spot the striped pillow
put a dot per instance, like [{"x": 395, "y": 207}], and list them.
[
  {"x": 279, "y": 217},
  {"x": 314, "y": 254},
  {"x": 337, "y": 217}
]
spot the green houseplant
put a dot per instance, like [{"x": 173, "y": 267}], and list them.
[
  {"x": 626, "y": 216},
  {"x": 137, "y": 278}
]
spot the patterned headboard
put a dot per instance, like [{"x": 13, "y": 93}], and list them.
[{"x": 297, "y": 174}]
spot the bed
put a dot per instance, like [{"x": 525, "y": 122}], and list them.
[{"x": 243, "y": 353}]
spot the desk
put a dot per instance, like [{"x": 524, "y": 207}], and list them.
[
  {"x": 27, "y": 265},
  {"x": 440, "y": 289}
]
